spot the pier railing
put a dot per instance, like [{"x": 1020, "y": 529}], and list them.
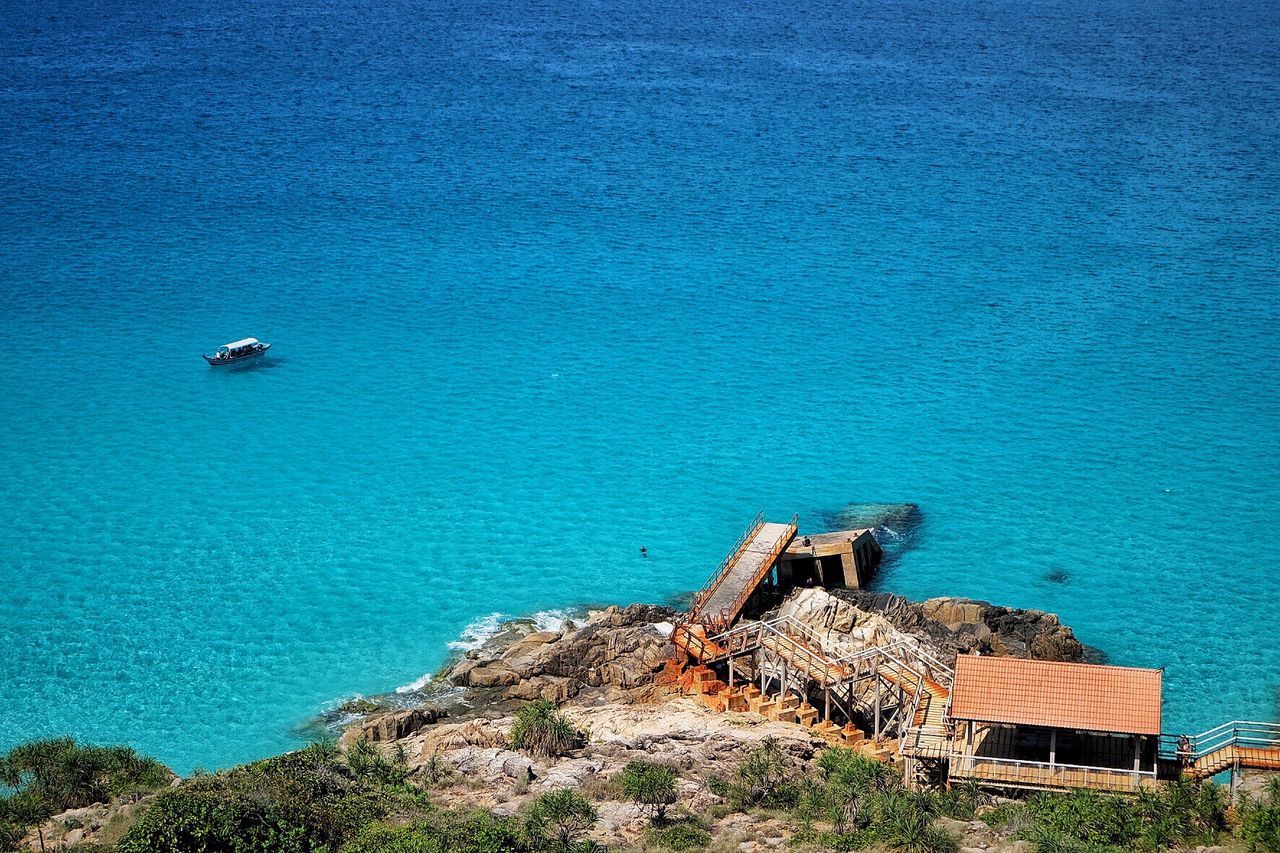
[
  {"x": 1016, "y": 773},
  {"x": 1239, "y": 743},
  {"x": 725, "y": 617},
  {"x": 701, "y": 596}
]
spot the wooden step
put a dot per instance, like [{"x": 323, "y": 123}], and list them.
[
  {"x": 829, "y": 732},
  {"x": 670, "y": 673},
  {"x": 734, "y": 699},
  {"x": 715, "y": 701},
  {"x": 788, "y": 701},
  {"x": 782, "y": 712}
]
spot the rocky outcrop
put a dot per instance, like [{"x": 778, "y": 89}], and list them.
[
  {"x": 611, "y": 658},
  {"x": 100, "y": 823},
  {"x": 393, "y": 726},
  {"x": 961, "y": 626},
  {"x": 694, "y": 741}
]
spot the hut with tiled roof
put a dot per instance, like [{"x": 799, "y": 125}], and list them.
[{"x": 1051, "y": 725}]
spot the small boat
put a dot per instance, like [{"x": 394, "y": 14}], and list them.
[{"x": 238, "y": 352}]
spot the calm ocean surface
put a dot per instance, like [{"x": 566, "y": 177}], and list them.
[{"x": 551, "y": 281}]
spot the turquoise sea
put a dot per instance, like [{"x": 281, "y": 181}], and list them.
[{"x": 549, "y": 281}]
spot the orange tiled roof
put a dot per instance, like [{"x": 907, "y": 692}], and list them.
[{"x": 1080, "y": 696}]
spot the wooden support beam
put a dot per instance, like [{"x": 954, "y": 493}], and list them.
[{"x": 877, "y": 715}]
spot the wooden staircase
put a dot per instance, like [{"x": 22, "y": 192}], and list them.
[
  {"x": 1235, "y": 745},
  {"x": 724, "y": 595},
  {"x": 928, "y": 731},
  {"x": 699, "y": 682}
]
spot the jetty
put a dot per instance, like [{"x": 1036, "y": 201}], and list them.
[{"x": 1000, "y": 722}]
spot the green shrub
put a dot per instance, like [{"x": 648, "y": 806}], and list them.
[
  {"x": 1176, "y": 814},
  {"x": 10, "y": 835},
  {"x": 45, "y": 777},
  {"x": 762, "y": 778},
  {"x": 903, "y": 821},
  {"x": 1260, "y": 819},
  {"x": 961, "y": 801},
  {"x": 67, "y": 775},
  {"x": 652, "y": 787},
  {"x": 366, "y": 761},
  {"x": 679, "y": 835},
  {"x": 443, "y": 832},
  {"x": 309, "y": 801},
  {"x": 557, "y": 819},
  {"x": 540, "y": 729},
  {"x": 848, "y": 778}
]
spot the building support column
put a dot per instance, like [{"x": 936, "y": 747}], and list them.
[
  {"x": 1053, "y": 747},
  {"x": 730, "y": 672},
  {"x": 877, "y": 721}
]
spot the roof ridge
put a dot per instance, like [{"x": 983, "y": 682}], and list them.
[{"x": 1015, "y": 659}]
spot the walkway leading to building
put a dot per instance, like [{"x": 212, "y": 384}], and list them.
[
  {"x": 1004, "y": 723},
  {"x": 1240, "y": 744},
  {"x": 718, "y": 604}
]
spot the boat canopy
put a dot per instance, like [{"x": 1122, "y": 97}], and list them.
[{"x": 247, "y": 342}]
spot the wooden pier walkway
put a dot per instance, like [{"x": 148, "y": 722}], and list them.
[{"x": 721, "y": 602}]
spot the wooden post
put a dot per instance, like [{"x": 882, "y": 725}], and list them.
[
  {"x": 877, "y": 726},
  {"x": 730, "y": 672},
  {"x": 826, "y": 699}
]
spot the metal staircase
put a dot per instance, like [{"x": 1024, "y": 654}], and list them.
[{"x": 1233, "y": 746}]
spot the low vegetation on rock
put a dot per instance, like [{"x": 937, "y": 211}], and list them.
[
  {"x": 542, "y": 730},
  {"x": 371, "y": 798},
  {"x": 652, "y": 787},
  {"x": 47, "y": 777}
]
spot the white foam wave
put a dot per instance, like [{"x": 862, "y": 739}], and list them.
[
  {"x": 415, "y": 686},
  {"x": 551, "y": 620},
  {"x": 478, "y": 633}
]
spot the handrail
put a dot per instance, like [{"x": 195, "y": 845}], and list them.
[
  {"x": 718, "y": 575},
  {"x": 962, "y": 765},
  {"x": 740, "y": 601},
  {"x": 1238, "y": 733},
  {"x": 1246, "y": 733}
]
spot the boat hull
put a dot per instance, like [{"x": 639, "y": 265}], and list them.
[{"x": 237, "y": 360}]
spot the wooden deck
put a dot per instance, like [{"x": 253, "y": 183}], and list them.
[
  {"x": 744, "y": 573},
  {"x": 1039, "y": 775}
]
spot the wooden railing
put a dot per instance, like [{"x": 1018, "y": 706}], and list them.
[
  {"x": 1015, "y": 773},
  {"x": 727, "y": 615},
  {"x": 701, "y": 596},
  {"x": 1239, "y": 742}
]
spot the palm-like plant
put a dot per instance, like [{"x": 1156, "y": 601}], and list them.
[{"x": 540, "y": 729}]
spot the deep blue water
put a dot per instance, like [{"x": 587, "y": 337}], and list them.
[{"x": 550, "y": 281}]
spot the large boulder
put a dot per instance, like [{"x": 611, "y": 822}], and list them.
[
  {"x": 615, "y": 654},
  {"x": 393, "y": 726},
  {"x": 961, "y": 626}
]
